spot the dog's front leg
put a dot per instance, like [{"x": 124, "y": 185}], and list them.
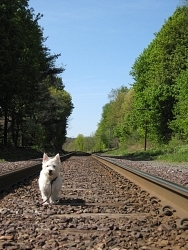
[
  {"x": 54, "y": 199},
  {"x": 45, "y": 197}
]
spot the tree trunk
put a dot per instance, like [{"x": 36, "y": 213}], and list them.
[{"x": 5, "y": 127}]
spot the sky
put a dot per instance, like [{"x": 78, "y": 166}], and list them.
[{"x": 99, "y": 41}]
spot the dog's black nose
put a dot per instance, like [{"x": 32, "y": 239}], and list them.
[{"x": 50, "y": 171}]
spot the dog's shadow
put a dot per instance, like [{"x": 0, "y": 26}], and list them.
[{"x": 71, "y": 202}]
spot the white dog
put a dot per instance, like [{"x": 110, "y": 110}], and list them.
[{"x": 50, "y": 181}]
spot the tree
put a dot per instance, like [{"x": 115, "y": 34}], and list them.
[
  {"x": 47, "y": 125},
  {"x": 126, "y": 125},
  {"x": 180, "y": 124},
  {"x": 79, "y": 142},
  {"x": 12, "y": 46},
  {"x": 155, "y": 72},
  {"x": 25, "y": 65},
  {"x": 110, "y": 127}
]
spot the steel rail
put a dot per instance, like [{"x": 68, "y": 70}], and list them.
[
  {"x": 170, "y": 194},
  {"x": 13, "y": 177}
]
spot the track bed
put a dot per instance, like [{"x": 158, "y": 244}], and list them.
[{"x": 98, "y": 209}]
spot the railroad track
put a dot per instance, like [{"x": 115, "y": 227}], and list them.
[
  {"x": 100, "y": 208},
  {"x": 173, "y": 196},
  {"x": 14, "y": 176}
]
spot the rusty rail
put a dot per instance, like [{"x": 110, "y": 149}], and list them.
[
  {"x": 172, "y": 196},
  {"x": 13, "y": 177}
]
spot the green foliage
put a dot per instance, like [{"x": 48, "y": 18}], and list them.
[
  {"x": 28, "y": 75},
  {"x": 47, "y": 126},
  {"x": 79, "y": 142},
  {"x": 155, "y": 72},
  {"x": 156, "y": 104},
  {"x": 177, "y": 153},
  {"x": 117, "y": 124},
  {"x": 180, "y": 124},
  {"x": 155, "y": 108},
  {"x": 86, "y": 144}
]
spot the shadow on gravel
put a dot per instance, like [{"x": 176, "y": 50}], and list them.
[
  {"x": 71, "y": 202},
  {"x": 80, "y": 153},
  {"x": 138, "y": 156},
  {"x": 25, "y": 184}
]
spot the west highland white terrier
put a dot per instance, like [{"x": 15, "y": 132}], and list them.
[{"x": 50, "y": 181}]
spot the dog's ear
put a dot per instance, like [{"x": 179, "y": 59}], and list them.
[
  {"x": 57, "y": 158},
  {"x": 45, "y": 157}
]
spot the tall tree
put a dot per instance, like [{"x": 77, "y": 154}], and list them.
[
  {"x": 180, "y": 124},
  {"x": 49, "y": 119},
  {"x": 112, "y": 120},
  {"x": 79, "y": 142},
  {"x": 11, "y": 48},
  {"x": 24, "y": 63},
  {"x": 155, "y": 72}
]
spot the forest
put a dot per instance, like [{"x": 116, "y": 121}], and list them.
[
  {"x": 154, "y": 109},
  {"x": 34, "y": 105}
]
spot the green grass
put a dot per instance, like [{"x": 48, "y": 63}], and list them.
[
  {"x": 163, "y": 153},
  {"x": 173, "y": 152},
  {"x": 137, "y": 155},
  {"x": 176, "y": 154}
]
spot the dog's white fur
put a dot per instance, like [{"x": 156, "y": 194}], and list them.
[{"x": 50, "y": 170}]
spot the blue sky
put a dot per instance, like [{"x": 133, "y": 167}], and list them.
[{"x": 98, "y": 40}]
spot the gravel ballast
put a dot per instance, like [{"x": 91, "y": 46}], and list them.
[
  {"x": 98, "y": 209},
  {"x": 174, "y": 172}
]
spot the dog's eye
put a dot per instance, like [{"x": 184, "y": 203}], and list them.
[{"x": 50, "y": 166}]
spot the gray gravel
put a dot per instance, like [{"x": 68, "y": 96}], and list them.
[
  {"x": 174, "y": 172},
  {"x": 7, "y": 166},
  {"x": 98, "y": 210}
]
